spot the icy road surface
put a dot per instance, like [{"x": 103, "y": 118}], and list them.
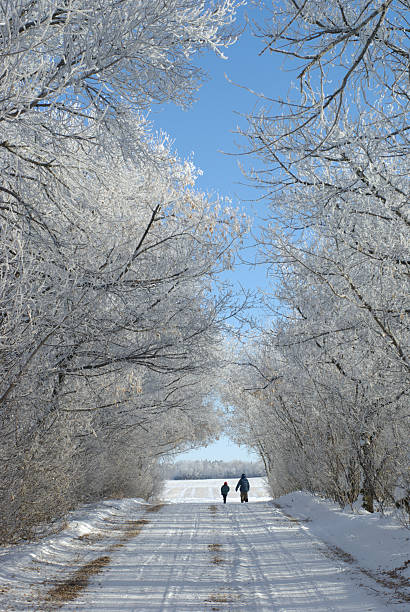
[{"x": 197, "y": 554}]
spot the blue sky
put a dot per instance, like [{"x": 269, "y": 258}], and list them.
[
  {"x": 222, "y": 450},
  {"x": 206, "y": 133}
]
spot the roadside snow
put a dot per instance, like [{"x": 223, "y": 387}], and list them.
[
  {"x": 29, "y": 569},
  {"x": 374, "y": 541},
  {"x": 197, "y": 554}
]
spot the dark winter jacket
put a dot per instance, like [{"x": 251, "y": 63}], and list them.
[
  {"x": 224, "y": 489},
  {"x": 243, "y": 484}
]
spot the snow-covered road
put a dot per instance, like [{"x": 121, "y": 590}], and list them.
[
  {"x": 196, "y": 554},
  {"x": 203, "y": 555}
]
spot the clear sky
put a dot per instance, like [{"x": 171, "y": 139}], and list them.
[
  {"x": 206, "y": 131},
  {"x": 221, "y": 450},
  {"x": 206, "y": 134}
]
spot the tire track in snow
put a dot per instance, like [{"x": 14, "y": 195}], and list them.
[
  {"x": 183, "y": 538},
  {"x": 247, "y": 571},
  {"x": 274, "y": 566},
  {"x": 252, "y": 527}
]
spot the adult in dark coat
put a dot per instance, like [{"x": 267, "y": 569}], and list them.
[
  {"x": 224, "y": 491},
  {"x": 243, "y": 486}
]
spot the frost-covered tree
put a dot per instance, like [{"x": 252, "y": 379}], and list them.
[
  {"x": 332, "y": 162},
  {"x": 77, "y": 73},
  {"x": 208, "y": 468},
  {"x": 109, "y": 320},
  {"x": 133, "y": 325}
]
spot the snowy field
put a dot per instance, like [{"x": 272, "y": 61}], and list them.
[
  {"x": 294, "y": 554},
  {"x": 199, "y": 491}
]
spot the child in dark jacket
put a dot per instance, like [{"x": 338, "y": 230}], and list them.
[{"x": 224, "y": 491}]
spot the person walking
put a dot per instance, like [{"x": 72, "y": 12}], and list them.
[
  {"x": 243, "y": 486},
  {"x": 224, "y": 491}
]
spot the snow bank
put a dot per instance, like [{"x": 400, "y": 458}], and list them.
[
  {"x": 25, "y": 568},
  {"x": 375, "y": 541}
]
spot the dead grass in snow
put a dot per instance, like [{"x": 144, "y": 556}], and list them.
[
  {"x": 221, "y": 598},
  {"x": 155, "y": 508},
  {"x": 217, "y": 560},
  {"x": 133, "y": 528},
  {"x": 69, "y": 588},
  {"x": 90, "y": 538},
  {"x": 392, "y": 579}
]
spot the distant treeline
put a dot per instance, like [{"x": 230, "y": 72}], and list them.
[{"x": 193, "y": 470}]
